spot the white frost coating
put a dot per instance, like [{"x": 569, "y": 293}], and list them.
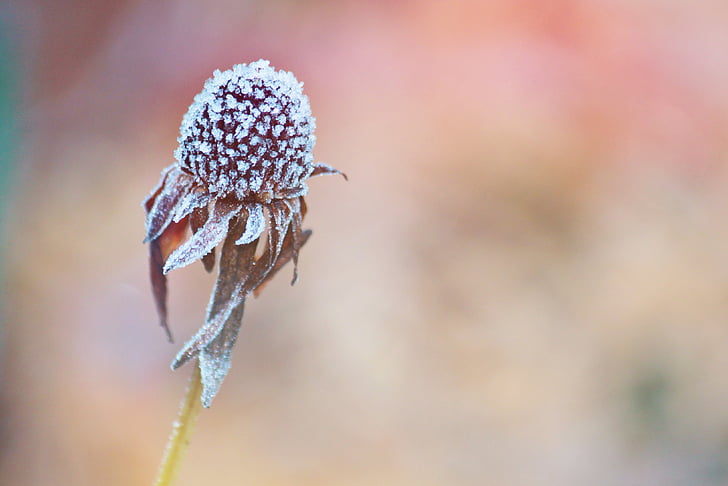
[
  {"x": 188, "y": 203},
  {"x": 202, "y": 242},
  {"x": 254, "y": 226},
  {"x": 248, "y": 105},
  {"x": 213, "y": 370}
]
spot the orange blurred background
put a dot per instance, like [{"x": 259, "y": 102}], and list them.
[{"x": 524, "y": 281}]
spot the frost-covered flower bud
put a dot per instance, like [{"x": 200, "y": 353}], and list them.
[{"x": 249, "y": 132}]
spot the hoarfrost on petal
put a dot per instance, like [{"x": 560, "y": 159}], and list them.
[
  {"x": 189, "y": 203},
  {"x": 212, "y": 327},
  {"x": 164, "y": 203},
  {"x": 322, "y": 169},
  {"x": 207, "y": 238},
  {"x": 148, "y": 201},
  {"x": 254, "y": 226},
  {"x": 229, "y": 294},
  {"x": 215, "y": 358}
]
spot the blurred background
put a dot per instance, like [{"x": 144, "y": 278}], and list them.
[{"x": 524, "y": 281}]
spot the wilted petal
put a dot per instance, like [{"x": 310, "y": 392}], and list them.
[
  {"x": 198, "y": 217},
  {"x": 296, "y": 233},
  {"x": 148, "y": 201},
  {"x": 287, "y": 253},
  {"x": 159, "y": 250},
  {"x": 323, "y": 169},
  {"x": 293, "y": 193},
  {"x": 254, "y": 226},
  {"x": 189, "y": 202},
  {"x": 212, "y": 327},
  {"x": 216, "y": 356},
  {"x": 207, "y": 238},
  {"x": 294, "y": 239},
  {"x": 175, "y": 186},
  {"x": 159, "y": 285},
  {"x": 280, "y": 219},
  {"x": 229, "y": 293}
]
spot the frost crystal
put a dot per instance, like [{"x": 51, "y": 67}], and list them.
[{"x": 235, "y": 111}]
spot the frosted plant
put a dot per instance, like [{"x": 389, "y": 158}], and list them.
[{"x": 245, "y": 153}]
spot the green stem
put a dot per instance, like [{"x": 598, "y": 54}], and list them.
[{"x": 182, "y": 429}]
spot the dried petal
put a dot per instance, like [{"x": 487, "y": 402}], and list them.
[
  {"x": 159, "y": 285},
  {"x": 286, "y": 255},
  {"x": 189, "y": 202},
  {"x": 320, "y": 168},
  {"x": 207, "y": 238},
  {"x": 197, "y": 221},
  {"x": 279, "y": 218},
  {"x": 215, "y": 358},
  {"x": 229, "y": 293},
  {"x": 159, "y": 216},
  {"x": 148, "y": 201},
  {"x": 296, "y": 234},
  {"x": 213, "y": 325},
  {"x": 254, "y": 226},
  {"x": 159, "y": 250}
]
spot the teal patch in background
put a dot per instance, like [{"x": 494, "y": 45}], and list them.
[
  {"x": 9, "y": 147},
  {"x": 9, "y": 130}
]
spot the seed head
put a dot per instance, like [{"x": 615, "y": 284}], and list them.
[
  {"x": 249, "y": 132},
  {"x": 238, "y": 185}
]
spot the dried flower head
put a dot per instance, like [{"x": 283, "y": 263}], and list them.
[{"x": 245, "y": 153}]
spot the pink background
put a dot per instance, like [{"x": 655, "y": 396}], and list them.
[{"x": 525, "y": 280}]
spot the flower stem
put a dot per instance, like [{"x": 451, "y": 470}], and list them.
[{"x": 182, "y": 429}]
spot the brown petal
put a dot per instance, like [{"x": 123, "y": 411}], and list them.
[
  {"x": 159, "y": 285},
  {"x": 207, "y": 237},
  {"x": 164, "y": 204},
  {"x": 286, "y": 255},
  {"x": 148, "y": 201},
  {"x": 295, "y": 238},
  {"x": 229, "y": 294},
  {"x": 194, "y": 199},
  {"x": 159, "y": 250},
  {"x": 279, "y": 219},
  {"x": 323, "y": 169},
  {"x": 215, "y": 358},
  {"x": 197, "y": 221},
  {"x": 296, "y": 233},
  {"x": 254, "y": 226}
]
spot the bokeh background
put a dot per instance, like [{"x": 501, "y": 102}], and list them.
[{"x": 524, "y": 280}]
